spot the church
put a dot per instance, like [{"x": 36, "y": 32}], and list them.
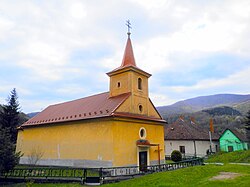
[{"x": 120, "y": 127}]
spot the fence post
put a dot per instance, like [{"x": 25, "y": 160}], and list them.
[
  {"x": 84, "y": 175},
  {"x": 100, "y": 175}
]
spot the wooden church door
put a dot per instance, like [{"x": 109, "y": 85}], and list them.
[{"x": 143, "y": 160}]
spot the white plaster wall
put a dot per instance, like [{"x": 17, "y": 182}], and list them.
[{"x": 201, "y": 147}]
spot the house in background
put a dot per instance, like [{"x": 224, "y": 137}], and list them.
[
  {"x": 189, "y": 138},
  {"x": 232, "y": 140},
  {"x": 116, "y": 128}
]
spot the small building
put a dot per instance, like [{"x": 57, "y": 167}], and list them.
[
  {"x": 120, "y": 127},
  {"x": 233, "y": 140},
  {"x": 189, "y": 138}
]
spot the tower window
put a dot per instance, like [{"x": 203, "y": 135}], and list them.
[
  {"x": 118, "y": 84},
  {"x": 139, "y": 83},
  {"x": 140, "y": 108}
]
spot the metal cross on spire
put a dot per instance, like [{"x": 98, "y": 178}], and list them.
[{"x": 129, "y": 26}]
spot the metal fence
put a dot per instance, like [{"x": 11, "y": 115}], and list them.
[
  {"x": 119, "y": 173},
  {"x": 102, "y": 175}
]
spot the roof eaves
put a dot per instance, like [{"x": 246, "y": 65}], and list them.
[
  {"x": 140, "y": 117},
  {"x": 58, "y": 122},
  {"x": 156, "y": 109},
  {"x": 127, "y": 68}
]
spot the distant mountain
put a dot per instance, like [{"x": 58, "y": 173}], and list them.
[
  {"x": 240, "y": 102},
  {"x": 32, "y": 114},
  {"x": 226, "y": 110}
]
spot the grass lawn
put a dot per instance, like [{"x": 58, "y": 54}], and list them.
[
  {"x": 193, "y": 176},
  {"x": 236, "y": 156}
]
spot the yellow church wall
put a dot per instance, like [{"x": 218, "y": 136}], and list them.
[
  {"x": 126, "y": 133},
  {"x": 135, "y": 89},
  {"x": 75, "y": 140},
  {"x": 128, "y": 83},
  {"x": 125, "y": 83},
  {"x": 109, "y": 140},
  {"x": 152, "y": 111},
  {"x": 131, "y": 105}
]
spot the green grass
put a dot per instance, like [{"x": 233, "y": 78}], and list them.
[
  {"x": 236, "y": 156},
  {"x": 169, "y": 161},
  {"x": 193, "y": 176}
]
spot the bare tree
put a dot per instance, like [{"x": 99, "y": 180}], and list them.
[{"x": 35, "y": 155}]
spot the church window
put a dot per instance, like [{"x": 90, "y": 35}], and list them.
[
  {"x": 142, "y": 133},
  {"x": 140, "y": 108},
  {"x": 139, "y": 83},
  {"x": 118, "y": 84}
]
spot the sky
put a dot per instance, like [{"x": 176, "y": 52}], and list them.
[{"x": 54, "y": 51}]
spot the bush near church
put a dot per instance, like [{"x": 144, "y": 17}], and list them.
[{"x": 176, "y": 156}]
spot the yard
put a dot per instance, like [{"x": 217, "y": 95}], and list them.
[
  {"x": 193, "y": 176},
  {"x": 207, "y": 175}
]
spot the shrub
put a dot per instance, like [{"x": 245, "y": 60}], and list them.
[{"x": 176, "y": 156}]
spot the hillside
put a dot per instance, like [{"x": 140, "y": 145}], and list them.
[
  {"x": 227, "y": 110},
  {"x": 241, "y": 102},
  {"x": 32, "y": 114}
]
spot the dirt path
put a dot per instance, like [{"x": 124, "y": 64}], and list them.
[{"x": 226, "y": 175}]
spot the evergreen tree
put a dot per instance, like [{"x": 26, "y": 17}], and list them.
[
  {"x": 9, "y": 120},
  {"x": 8, "y": 157},
  {"x": 9, "y": 116},
  {"x": 248, "y": 125}
]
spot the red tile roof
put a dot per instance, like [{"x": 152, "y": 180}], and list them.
[
  {"x": 187, "y": 130},
  {"x": 100, "y": 105},
  {"x": 92, "y": 107}
]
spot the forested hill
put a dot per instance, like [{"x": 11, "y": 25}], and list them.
[
  {"x": 226, "y": 110},
  {"x": 205, "y": 102}
]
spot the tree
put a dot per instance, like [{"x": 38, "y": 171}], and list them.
[
  {"x": 35, "y": 155},
  {"x": 9, "y": 120},
  {"x": 8, "y": 157},
  {"x": 9, "y": 116},
  {"x": 248, "y": 125}
]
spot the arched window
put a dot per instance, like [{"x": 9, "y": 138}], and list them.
[
  {"x": 139, "y": 83},
  {"x": 140, "y": 108}
]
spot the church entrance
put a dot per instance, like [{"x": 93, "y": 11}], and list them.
[{"x": 143, "y": 160}]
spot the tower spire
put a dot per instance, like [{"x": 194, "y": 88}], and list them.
[
  {"x": 128, "y": 57},
  {"x": 129, "y": 27}
]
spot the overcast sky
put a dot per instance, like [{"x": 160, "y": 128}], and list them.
[{"x": 53, "y": 51}]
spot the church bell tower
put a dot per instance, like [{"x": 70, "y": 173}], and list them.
[{"x": 128, "y": 78}]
